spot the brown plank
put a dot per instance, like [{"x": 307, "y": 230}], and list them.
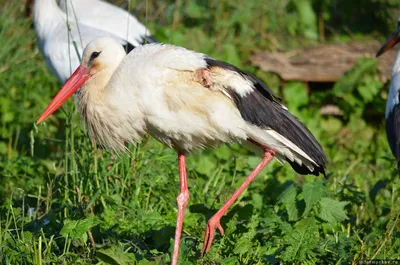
[{"x": 322, "y": 63}]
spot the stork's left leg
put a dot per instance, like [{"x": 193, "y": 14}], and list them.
[
  {"x": 214, "y": 221},
  {"x": 182, "y": 201}
]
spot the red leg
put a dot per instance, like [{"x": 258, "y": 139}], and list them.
[
  {"x": 182, "y": 200},
  {"x": 214, "y": 221}
]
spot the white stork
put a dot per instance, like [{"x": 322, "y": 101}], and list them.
[
  {"x": 187, "y": 101},
  {"x": 57, "y": 32},
  {"x": 392, "y": 105}
]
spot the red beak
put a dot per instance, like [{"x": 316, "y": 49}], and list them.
[
  {"x": 77, "y": 79},
  {"x": 395, "y": 38}
]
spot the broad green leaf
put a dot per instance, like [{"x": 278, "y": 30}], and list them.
[
  {"x": 85, "y": 224},
  {"x": 288, "y": 199},
  {"x": 312, "y": 192},
  {"x": 332, "y": 210},
  {"x": 76, "y": 229},
  {"x": 69, "y": 226},
  {"x": 115, "y": 255}
]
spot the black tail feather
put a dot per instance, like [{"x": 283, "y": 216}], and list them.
[{"x": 264, "y": 113}]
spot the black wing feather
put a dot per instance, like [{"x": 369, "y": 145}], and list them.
[
  {"x": 145, "y": 40},
  {"x": 262, "y": 108},
  {"x": 261, "y": 87}
]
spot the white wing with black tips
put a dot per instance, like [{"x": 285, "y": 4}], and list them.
[{"x": 270, "y": 122}]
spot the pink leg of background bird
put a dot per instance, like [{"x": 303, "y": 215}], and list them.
[
  {"x": 182, "y": 200},
  {"x": 214, "y": 221}
]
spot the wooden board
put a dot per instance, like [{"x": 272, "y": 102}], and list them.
[{"x": 322, "y": 63}]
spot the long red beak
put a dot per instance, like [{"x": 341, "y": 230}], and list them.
[
  {"x": 395, "y": 38},
  {"x": 77, "y": 79}
]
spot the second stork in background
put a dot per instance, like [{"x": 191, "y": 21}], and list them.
[
  {"x": 104, "y": 16},
  {"x": 87, "y": 20}
]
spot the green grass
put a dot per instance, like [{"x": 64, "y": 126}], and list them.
[{"x": 54, "y": 188}]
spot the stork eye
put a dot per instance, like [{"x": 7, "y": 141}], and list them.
[{"x": 94, "y": 55}]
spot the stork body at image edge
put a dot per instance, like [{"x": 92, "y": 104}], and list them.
[
  {"x": 392, "y": 114},
  {"x": 187, "y": 101}
]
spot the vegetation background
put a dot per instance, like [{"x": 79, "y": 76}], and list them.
[{"x": 54, "y": 188}]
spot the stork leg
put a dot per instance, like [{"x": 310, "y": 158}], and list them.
[
  {"x": 182, "y": 200},
  {"x": 214, "y": 221}
]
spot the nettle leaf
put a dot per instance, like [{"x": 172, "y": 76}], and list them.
[
  {"x": 257, "y": 201},
  {"x": 288, "y": 199},
  {"x": 205, "y": 165},
  {"x": 312, "y": 192},
  {"x": 331, "y": 125},
  {"x": 348, "y": 82},
  {"x": 115, "y": 255},
  {"x": 301, "y": 241},
  {"x": 231, "y": 226},
  {"x": 245, "y": 243},
  {"x": 224, "y": 153},
  {"x": 296, "y": 95},
  {"x": 76, "y": 229},
  {"x": 332, "y": 210},
  {"x": 370, "y": 88}
]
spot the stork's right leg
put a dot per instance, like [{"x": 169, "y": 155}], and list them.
[{"x": 182, "y": 201}]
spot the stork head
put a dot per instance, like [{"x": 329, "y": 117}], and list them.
[
  {"x": 393, "y": 40},
  {"x": 100, "y": 59}
]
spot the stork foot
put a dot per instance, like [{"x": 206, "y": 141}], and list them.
[{"x": 212, "y": 225}]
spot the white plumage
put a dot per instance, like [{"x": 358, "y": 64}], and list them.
[
  {"x": 56, "y": 39},
  {"x": 393, "y": 97},
  {"x": 178, "y": 111}
]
